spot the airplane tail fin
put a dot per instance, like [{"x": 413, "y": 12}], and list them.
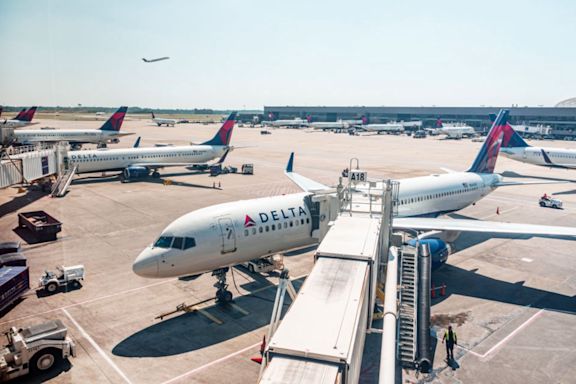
[
  {"x": 20, "y": 114},
  {"x": 511, "y": 138},
  {"x": 115, "y": 121},
  {"x": 1, "y": 108},
  {"x": 224, "y": 134},
  {"x": 28, "y": 115},
  {"x": 439, "y": 123},
  {"x": 485, "y": 161}
]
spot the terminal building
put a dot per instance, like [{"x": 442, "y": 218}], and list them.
[{"x": 562, "y": 118}]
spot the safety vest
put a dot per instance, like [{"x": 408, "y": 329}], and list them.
[{"x": 447, "y": 336}]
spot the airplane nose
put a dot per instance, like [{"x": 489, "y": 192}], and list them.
[{"x": 146, "y": 264}]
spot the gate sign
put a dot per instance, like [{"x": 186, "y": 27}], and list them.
[{"x": 358, "y": 176}]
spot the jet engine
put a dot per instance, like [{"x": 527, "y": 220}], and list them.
[
  {"x": 439, "y": 243},
  {"x": 132, "y": 173}
]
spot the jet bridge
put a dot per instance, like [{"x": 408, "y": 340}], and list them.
[
  {"x": 321, "y": 338},
  {"x": 26, "y": 164}
]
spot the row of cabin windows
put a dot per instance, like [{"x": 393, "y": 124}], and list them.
[
  {"x": 436, "y": 195},
  {"x": 130, "y": 157},
  {"x": 562, "y": 155},
  {"x": 175, "y": 242},
  {"x": 276, "y": 227}
]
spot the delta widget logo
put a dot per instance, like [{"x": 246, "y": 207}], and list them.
[{"x": 248, "y": 222}]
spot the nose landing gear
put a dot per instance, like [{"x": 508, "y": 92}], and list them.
[{"x": 223, "y": 295}]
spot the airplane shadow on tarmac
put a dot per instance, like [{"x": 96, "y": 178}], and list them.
[
  {"x": 116, "y": 178},
  {"x": 194, "y": 331},
  {"x": 19, "y": 202},
  {"x": 471, "y": 284}
]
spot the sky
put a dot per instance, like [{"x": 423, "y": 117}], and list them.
[{"x": 251, "y": 53}]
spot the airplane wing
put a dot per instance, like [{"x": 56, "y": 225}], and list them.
[
  {"x": 512, "y": 183},
  {"x": 304, "y": 183},
  {"x": 467, "y": 225}
]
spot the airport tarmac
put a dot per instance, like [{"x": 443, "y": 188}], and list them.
[{"x": 512, "y": 302}]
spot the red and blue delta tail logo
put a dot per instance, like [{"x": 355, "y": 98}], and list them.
[
  {"x": 114, "y": 123},
  {"x": 485, "y": 161},
  {"x": 224, "y": 134},
  {"x": 249, "y": 222},
  {"x": 20, "y": 114},
  {"x": 27, "y": 115}
]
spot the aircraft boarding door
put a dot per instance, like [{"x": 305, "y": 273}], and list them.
[{"x": 228, "y": 235}]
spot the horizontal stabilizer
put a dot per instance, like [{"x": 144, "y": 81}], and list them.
[
  {"x": 466, "y": 225},
  {"x": 304, "y": 183},
  {"x": 513, "y": 183}
]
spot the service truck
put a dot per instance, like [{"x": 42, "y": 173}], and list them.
[
  {"x": 34, "y": 349},
  {"x": 51, "y": 281}
]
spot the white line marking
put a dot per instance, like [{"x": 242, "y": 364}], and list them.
[
  {"x": 97, "y": 347},
  {"x": 86, "y": 302},
  {"x": 526, "y": 259},
  {"x": 504, "y": 340},
  {"x": 211, "y": 363}
]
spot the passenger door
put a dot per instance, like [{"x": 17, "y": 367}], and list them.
[{"x": 228, "y": 234}]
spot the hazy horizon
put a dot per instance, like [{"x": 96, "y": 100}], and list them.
[{"x": 244, "y": 55}]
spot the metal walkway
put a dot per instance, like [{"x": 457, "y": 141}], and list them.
[
  {"x": 63, "y": 182},
  {"x": 408, "y": 309}
]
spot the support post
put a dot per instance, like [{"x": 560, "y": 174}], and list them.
[{"x": 423, "y": 322}]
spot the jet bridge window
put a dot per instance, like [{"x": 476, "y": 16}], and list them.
[{"x": 164, "y": 242}]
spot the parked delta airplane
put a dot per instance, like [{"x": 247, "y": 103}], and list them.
[
  {"x": 219, "y": 236},
  {"x": 382, "y": 128},
  {"x": 109, "y": 132},
  {"x": 160, "y": 121},
  {"x": 333, "y": 125},
  {"x": 24, "y": 118},
  {"x": 455, "y": 131},
  {"x": 518, "y": 149},
  {"x": 139, "y": 162},
  {"x": 294, "y": 123}
]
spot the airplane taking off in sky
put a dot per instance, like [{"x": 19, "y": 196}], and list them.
[
  {"x": 518, "y": 149},
  {"x": 155, "y": 60},
  {"x": 223, "y": 235},
  {"x": 109, "y": 132},
  {"x": 23, "y": 119},
  {"x": 139, "y": 162},
  {"x": 160, "y": 121}
]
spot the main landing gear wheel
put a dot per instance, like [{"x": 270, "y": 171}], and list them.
[
  {"x": 223, "y": 295},
  {"x": 156, "y": 174}
]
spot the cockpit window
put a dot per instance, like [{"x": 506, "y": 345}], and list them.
[
  {"x": 189, "y": 242},
  {"x": 177, "y": 242},
  {"x": 164, "y": 242}
]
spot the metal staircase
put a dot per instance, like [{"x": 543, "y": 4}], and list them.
[
  {"x": 408, "y": 307},
  {"x": 63, "y": 182}
]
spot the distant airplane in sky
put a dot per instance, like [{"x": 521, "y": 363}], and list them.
[{"x": 155, "y": 60}]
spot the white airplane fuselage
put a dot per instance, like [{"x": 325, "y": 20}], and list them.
[
  {"x": 95, "y": 136},
  {"x": 167, "y": 122},
  {"x": 388, "y": 127},
  {"x": 231, "y": 233},
  {"x": 116, "y": 159},
  {"x": 457, "y": 131},
  {"x": 564, "y": 157},
  {"x": 14, "y": 123}
]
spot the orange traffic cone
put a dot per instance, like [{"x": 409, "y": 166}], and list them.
[
  {"x": 443, "y": 289},
  {"x": 433, "y": 291},
  {"x": 497, "y": 210},
  {"x": 263, "y": 346}
]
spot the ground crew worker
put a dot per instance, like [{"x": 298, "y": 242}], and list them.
[{"x": 451, "y": 339}]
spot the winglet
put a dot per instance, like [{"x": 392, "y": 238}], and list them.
[
  {"x": 546, "y": 157},
  {"x": 223, "y": 157},
  {"x": 290, "y": 165},
  {"x": 137, "y": 143}
]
